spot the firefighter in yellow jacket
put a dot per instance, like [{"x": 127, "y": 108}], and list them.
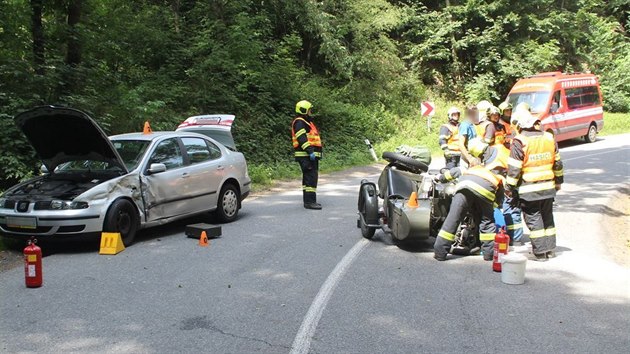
[
  {"x": 307, "y": 146},
  {"x": 477, "y": 190},
  {"x": 534, "y": 176},
  {"x": 449, "y": 138}
]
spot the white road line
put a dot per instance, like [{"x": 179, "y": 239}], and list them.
[
  {"x": 302, "y": 342},
  {"x": 599, "y": 153}
]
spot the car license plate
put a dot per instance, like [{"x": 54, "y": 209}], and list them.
[{"x": 21, "y": 222}]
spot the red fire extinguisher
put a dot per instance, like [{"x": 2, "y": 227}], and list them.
[
  {"x": 501, "y": 243},
  {"x": 33, "y": 264}
]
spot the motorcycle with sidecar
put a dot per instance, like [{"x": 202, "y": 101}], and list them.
[{"x": 415, "y": 204}]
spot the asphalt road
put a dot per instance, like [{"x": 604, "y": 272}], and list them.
[{"x": 285, "y": 279}]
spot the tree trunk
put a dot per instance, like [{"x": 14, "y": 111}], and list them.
[
  {"x": 73, "y": 53},
  {"x": 37, "y": 32}
]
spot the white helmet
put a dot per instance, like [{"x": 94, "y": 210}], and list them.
[
  {"x": 524, "y": 119},
  {"x": 451, "y": 112},
  {"x": 482, "y": 107}
]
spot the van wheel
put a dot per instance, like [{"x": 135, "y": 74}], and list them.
[
  {"x": 591, "y": 136},
  {"x": 122, "y": 217}
]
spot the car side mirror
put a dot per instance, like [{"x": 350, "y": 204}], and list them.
[
  {"x": 43, "y": 170},
  {"x": 554, "y": 107},
  {"x": 157, "y": 168}
]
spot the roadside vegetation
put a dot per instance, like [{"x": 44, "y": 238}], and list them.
[{"x": 365, "y": 64}]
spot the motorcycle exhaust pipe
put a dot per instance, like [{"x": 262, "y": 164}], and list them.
[{"x": 371, "y": 150}]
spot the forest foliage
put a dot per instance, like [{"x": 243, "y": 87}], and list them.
[{"x": 365, "y": 64}]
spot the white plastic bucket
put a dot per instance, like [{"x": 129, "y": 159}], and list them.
[{"x": 513, "y": 268}]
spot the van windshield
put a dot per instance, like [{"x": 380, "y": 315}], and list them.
[{"x": 537, "y": 100}]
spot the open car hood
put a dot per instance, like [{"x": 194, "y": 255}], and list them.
[{"x": 61, "y": 135}]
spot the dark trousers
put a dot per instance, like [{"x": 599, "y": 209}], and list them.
[
  {"x": 538, "y": 215},
  {"x": 483, "y": 214},
  {"x": 310, "y": 171},
  {"x": 452, "y": 161}
]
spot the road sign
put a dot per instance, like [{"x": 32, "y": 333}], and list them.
[{"x": 427, "y": 108}]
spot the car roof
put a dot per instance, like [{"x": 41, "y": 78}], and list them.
[
  {"x": 547, "y": 81},
  {"x": 154, "y": 135}
]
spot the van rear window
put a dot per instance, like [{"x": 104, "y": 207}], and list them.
[{"x": 581, "y": 97}]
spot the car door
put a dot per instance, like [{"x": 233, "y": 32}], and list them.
[
  {"x": 206, "y": 172},
  {"x": 557, "y": 112},
  {"x": 165, "y": 193}
]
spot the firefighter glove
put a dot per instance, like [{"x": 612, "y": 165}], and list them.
[{"x": 312, "y": 156}]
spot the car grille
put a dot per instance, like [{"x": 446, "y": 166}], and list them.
[
  {"x": 42, "y": 205},
  {"x": 71, "y": 228},
  {"x": 38, "y": 230}
]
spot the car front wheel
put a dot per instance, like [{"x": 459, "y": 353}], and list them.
[
  {"x": 228, "y": 204},
  {"x": 123, "y": 218}
]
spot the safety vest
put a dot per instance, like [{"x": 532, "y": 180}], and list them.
[
  {"x": 481, "y": 181},
  {"x": 506, "y": 134},
  {"x": 500, "y": 136},
  {"x": 539, "y": 157},
  {"x": 453, "y": 140},
  {"x": 313, "y": 139},
  {"x": 499, "y": 164},
  {"x": 480, "y": 128}
]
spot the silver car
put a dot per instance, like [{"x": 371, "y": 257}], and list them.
[{"x": 119, "y": 184}]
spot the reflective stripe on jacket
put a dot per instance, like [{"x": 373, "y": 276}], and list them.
[
  {"x": 480, "y": 181},
  {"x": 305, "y": 139}
]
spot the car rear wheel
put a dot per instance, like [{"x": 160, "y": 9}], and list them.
[
  {"x": 591, "y": 136},
  {"x": 228, "y": 204},
  {"x": 122, "y": 217}
]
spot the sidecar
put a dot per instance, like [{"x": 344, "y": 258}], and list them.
[{"x": 414, "y": 203}]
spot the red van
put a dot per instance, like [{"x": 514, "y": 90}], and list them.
[{"x": 568, "y": 105}]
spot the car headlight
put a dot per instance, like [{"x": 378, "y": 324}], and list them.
[
  {"x": 2, "y": 202},
  {"x": 64, "y": 205}
]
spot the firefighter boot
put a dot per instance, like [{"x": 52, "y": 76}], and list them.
[
  {"x": 310, "y": 201},
  {"x": 441, "y": 247}
]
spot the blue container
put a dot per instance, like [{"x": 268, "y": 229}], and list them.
[{"x": 499, "y": 220}]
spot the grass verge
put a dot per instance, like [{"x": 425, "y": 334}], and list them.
[
  {"x": 265, "y": 175},
  {"x": 616, "y": 123}
]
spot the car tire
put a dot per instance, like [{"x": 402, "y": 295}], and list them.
[
  {"x": 228, "y": 203},
  {"x": 122, "y": 217},
  {"x": 591, "y": 135}
]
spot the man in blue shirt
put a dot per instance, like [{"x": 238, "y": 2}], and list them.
[{"x": 467, "y": 132}]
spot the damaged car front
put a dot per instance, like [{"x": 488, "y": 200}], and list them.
[{"x": 83, "y": 174}]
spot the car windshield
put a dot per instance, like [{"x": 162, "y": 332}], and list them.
[
  {"x": 131, "y": 151},
  {"x": 537, "y": 100}
]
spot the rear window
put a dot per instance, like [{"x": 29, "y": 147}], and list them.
[
  {"x": 224, "y": 137},
  {"x": 581, "y": 97}
]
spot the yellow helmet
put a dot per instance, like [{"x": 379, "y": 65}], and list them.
[
  {"x": 476, "y": 147},
  {"x": 303, "y": 106}
]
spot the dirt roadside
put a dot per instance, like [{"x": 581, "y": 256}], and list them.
[{"x": 617, "y": 227}]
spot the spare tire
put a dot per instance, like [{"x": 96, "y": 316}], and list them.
[{"x": 405, "y": 163}]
